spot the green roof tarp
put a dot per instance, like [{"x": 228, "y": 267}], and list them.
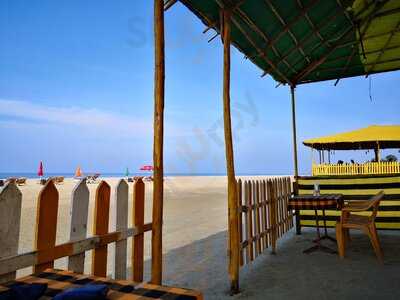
[{"x": 300, "y": 41}]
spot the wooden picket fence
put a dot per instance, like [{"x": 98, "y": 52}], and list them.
[
  {"x": 369, "y": 168},
  {"x": 45, "y": 248},
  {"x": 263, "y": 215}
]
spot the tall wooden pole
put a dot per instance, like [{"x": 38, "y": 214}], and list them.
[
  {"x": 296, "y": 168},
  {"x": 233, "y": 217},
  {"x": 158, "y": 185}
]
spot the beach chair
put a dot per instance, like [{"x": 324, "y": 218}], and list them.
[
  {"x": 148, "y": 178},
  {"x": 11, "y": 180},
  {"x": 59, "y": 180},
  {"x": 351, "y": 220},
  {"x": 20, "y": 181},
  {"x": 92, "y": 178}
]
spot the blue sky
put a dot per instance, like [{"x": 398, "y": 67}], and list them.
[{"x": 76, "y": 88}]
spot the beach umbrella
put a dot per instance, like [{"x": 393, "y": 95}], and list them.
[
  {"x": 147, "y": 168},
  {"x": 127, "y": 172},
  {"x": 78, "y": 172},
  {"x": 40, "y": 171}
]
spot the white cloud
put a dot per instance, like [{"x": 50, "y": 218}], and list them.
[{"x": 76, "y": 117}]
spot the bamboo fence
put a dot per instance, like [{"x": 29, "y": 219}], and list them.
[{"x": 263, "y": 215}]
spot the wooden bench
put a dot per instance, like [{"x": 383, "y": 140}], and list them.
[
  {"x": 354, "y": 188},
  {"x": 59, "y": 280}
]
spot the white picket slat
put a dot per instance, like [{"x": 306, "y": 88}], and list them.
[
  {"x": 121, "y": 215},
  {"x": 10, "y": 216},
  {"x": 79, "y": 217}
]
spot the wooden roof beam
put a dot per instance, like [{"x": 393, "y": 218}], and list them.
[
  {"x": 388, "y": 12},
  {"x": 384, "y": 48},
  {"x": 333, "y": 69},
  {"x": 355, "y": 47},
  {"x": 346, "y": 13},
  {"x": 312, "y": 66},
  {"x": 250, "y": 40},
  {"x": 327, "y": 43},
  {"x": 295, "y": 20},
  {"x": 168, "y": 4},
  {"x": 310, "y": 22},
  {"x": 282, "y": 21},
  {"x": 323, "y": 24},
  {"x": 255, "y": 28}
]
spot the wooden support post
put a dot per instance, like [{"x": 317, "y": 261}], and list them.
[
  {"x": 233, "y": 225},
  {"x": 158, "y": 190},
  {"x": 377, "y": 153},
  {"x": 296, "y": 169}
]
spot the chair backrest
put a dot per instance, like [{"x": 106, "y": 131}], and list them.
[{"x": 375, "y": 203}]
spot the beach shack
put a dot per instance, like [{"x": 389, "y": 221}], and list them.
[
  {"x": 296, "y": 42},
  {"x": 356, "y": 181}
]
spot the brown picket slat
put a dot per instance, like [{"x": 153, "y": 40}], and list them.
[
  {"x": 256, "y": 187},
  {"x": 263, "y": 216},
  {"x": 46, "y": 222},
  {"x": 240, "y": 204},
  {"x": 100, "y": 226},
  {"x": 249, "y": 202},
  {"x": 138, "y": 221},
  {"x": 273, "y": 215},
  {"x": 280, "y": 206}
]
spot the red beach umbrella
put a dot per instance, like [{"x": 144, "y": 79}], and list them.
[
  {"x": 146, "y": 168},
  {"x": 40, "y": 171}
]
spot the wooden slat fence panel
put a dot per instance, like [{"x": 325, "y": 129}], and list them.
[
  {"x": 263, "y": 214},
  {"x": 121, "y": 223},
  {"x": 79, "y": 216},
  {"x": 46, "y": 222},
  {"x": 257, "y": 226},
  {"x": 272, "y": 188},
  {"x": 10, "y": 216},
  {"x": 138, "y": 240},
  {"x": 100, "y": 226},
  {"x": 240, "y": 206},
  {"x": 46, "y": 251},
  {"x": 250, "y": 219}
]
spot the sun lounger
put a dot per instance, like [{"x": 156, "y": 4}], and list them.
[
  {"x": 59, "y": 180},
  {"x": 58, "y": 281},
  {"x": 148, "y": 178},
  {"x": 92, "y": 178},
  {"x": 11, "y": 180},
  {"x": 21, "y": 181}
]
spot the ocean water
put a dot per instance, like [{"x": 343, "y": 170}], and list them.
[{"x": 4, "y": 175}]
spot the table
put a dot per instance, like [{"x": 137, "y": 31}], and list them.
[
  {"x": 318, "y": 202},
  {"x": 59, "y": 280}
]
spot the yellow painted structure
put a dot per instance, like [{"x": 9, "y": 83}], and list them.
[
  {"x": 371, "y": 137},
  {"x": 370, "y": 168}
]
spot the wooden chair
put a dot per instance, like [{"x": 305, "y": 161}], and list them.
[{"x": 348, "y": 220}]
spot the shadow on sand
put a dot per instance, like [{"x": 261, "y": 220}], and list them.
[{"x": 289, "y": 274}]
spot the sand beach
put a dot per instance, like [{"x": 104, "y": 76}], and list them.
[{"x": 194, "y": 246}]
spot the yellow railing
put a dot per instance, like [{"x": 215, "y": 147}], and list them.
[{"x": 356, "y": 169}]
